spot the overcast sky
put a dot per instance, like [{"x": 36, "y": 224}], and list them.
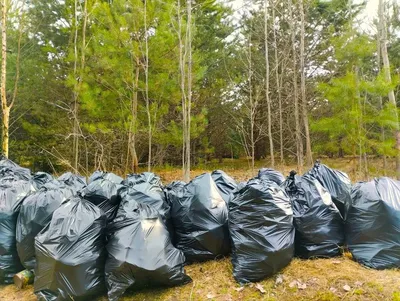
[{"x": 367, "y": 16}]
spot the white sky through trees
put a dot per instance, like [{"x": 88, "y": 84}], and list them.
[{"x": 366, "y": 18}]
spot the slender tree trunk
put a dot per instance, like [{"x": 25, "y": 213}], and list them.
[
  {"x": 134, "y": 105},
  {"x": 383, "y": 136},
  {"x": 271, "y": 142},
  {"x": 182, "y": 82},
  {"x": 299, "y": 143},
  {"x": 189, "y": 88},
  {"x": 359, "y": 113},
  {"x": 252, "y": 108},
  {"x": 278, "y": 87},
  {"x": 388, "y": 79},
  {"x": 303, "y": 87},
  {"x": 4, "y": 105},
  {"x": 76, "y": 87},
  {"x": 146, "y": 71}
]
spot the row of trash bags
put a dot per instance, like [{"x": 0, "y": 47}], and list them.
[{"x": 111, "y": 234}]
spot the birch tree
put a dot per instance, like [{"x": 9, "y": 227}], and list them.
[
  {"x": 7, "y": 104},
  {"x": 386, "y": 69},
  {"x": 299, "y": 143},
  {"x": 146, "y": 72},
  {"x": 278, "y": 77},
  {"x": 303, "y": 85},
  {"x": 267, "y": 98}
]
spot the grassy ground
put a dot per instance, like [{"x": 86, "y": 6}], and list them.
[{"x": 322, "y": 279}]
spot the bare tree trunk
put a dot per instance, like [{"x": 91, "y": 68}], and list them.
[
  {"x": 388, "y": 79},
  {"x": 299, "y": 143},
  {"x": 271, "y": 142},
  {"x": 252, "y": 108},
  {"x": 146, "y": 71},
  {"x": 76, "y": 87},
  {"x": 182, "y": 80},
  {"x": 4, "y": 105},
  {"x": 278, "y": 87},
  {"x": 81, "y": 75},
  {"x": 134, "y": 105},
  {"x": 383, "y": 134},
  {"x": 359, "y": 112},
  {"x": 189, "y": 87},
  {"x": 303, "y": 87}
]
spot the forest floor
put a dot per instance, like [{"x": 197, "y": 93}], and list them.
[{"x": 332, "y": 279}]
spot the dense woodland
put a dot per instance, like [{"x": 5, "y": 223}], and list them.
[{"x": 122, "y": 84}]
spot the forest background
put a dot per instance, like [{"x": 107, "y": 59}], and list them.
[{"x": 128, "y": 85}]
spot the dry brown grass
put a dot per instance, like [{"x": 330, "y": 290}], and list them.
[{"x": 324, "y": 279}]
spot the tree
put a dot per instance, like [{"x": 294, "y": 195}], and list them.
[
  {"x": 303, "y": 85},
  {"x": 386, "y": 69},
  {"x": 271, "y": 142}
]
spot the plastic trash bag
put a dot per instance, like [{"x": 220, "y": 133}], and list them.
[
  {"x": 105, "y": 175},
  {"x": 41, "y": 178},
  {"x": 36, "y": 212},
  {"x": 10, "y": 168},
  {"x": 271, "y": 174},
  {"x": 318, "y": 223},
  {"x": 200, "y": 220},
  {"x": 225, "y": 184},
  {"x": 70, "y": 253},
  {"x": 142, "y": 178},
  {"x": 373, "y": 223},
  {"x": 146, "y": 188},
  {"x": 336, "y": 182},
  {"x": 12, "y": 193},
  {"x": 172, "y": 189},
  {"x": 140, "y": 252},
  {"x": 75, "y": 181},
  {"x": 262, "y": 232},
  {"x": 103, "y": 193}
]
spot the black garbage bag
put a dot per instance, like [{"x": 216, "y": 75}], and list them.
[
  {"x": 318, "y": 223},
  {"x": 35, "y": 213},
  {"x": 336, "y": 182},
  {"x": 105, "y": 175},
  {"x": 146, "y": 188},
  {"x": 140, "y": 252},
  {"x": 271, "y": 174},
  {"x": 373, "y": 223},
  {"x": 200, "y": 220},
  {"x": 261, "y": 229},
  {"x": 75, "y": 181},
  {"x": 104, "y": 194},
  {"x": 12, "y": 193},
  {"x": 40, "y": 178},
  {"x": 8, "y": 167},
  {"x": 172, "y": 189},
  {"x": 70, "y": 253},
  {"x": 225, "y": 184},
  {"x": 142, "y": 178}
]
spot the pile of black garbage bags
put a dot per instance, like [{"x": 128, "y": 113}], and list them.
[{"x": 109, "y": 235}]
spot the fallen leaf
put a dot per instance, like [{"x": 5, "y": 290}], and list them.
[
  {"x": 260, "y": 288},
  {"x": 278, "y": 280},
  {"x": 358, "y": 283},
  {"x": 239, "y": 289},
  {"x": 301, "y": 286},
  {"x": 210, "y": 296},
  {"x": 336, "y": 262},
  {"x": 251, "y": 285},
  {"x": 293, "y": 284},
  {"x": 347, "y": 288},
  {"x": 333, "y": 290}
]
